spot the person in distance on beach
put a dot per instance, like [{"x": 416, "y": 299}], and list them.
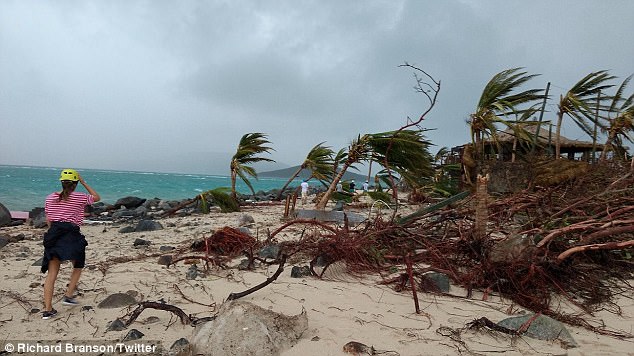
[
  {"x": 63, "y": 241},
  {"x": 304, "y": 186}
]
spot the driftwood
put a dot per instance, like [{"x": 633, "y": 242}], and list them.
[
  {"x": 184, "y": 318},
  {"x": 280, "y": 269}
]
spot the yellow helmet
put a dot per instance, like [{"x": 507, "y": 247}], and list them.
[{"x": 69, "y": 174}]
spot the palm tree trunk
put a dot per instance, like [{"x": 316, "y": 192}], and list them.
[
  {"x": 481, "y": 212},
  {"x": 279, "y": 195},
  {"x": 321, "y": 205},
  {"x": 604, "y": 152},
  {"x": 560, "y": 117},
  {"x": 233, "y": 185}
]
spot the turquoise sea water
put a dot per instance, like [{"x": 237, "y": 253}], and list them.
[{"x": 23, "y": 188}]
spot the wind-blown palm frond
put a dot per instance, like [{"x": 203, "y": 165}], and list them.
[
  {"x": 319, "y": 161},
  {"x": 580, "y": 103},
  {"x": 619, "y": 121},
  {"x": 251, "y": 146},
  {"x": 499, "y": 100},
  {"x": 222, "y": 198},
  {"x": 405, "y": 152}
]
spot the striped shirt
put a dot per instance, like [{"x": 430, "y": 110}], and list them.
[{"x": 71, "y": 210}]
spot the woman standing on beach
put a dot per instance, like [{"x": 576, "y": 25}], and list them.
[{"x": 63, "y": 241}]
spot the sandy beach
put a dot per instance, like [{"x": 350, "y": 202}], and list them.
[{"x": 340, "y": 307}]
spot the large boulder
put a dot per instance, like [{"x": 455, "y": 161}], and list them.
[
  {"x": 5, "y": 216},
  {"x": 542, "y": 328},
  {"x": 242, "y": 328},
  {"x": 148, "y": 225},
  {"x": 129, "y": 202}
]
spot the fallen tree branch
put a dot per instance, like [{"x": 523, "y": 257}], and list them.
[
  {"x": 185, "y": 319},
  {"x": 234, "y": 296}
]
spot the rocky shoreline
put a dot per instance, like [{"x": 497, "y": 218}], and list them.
[{"x": 136, "y": 208}]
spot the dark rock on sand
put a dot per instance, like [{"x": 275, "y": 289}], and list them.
[
  {"x": 300, "y": 271},
  {"x": 116, "y": 325},
  {"x": 269, "y": 251},
  {"x": 542, "y": 328},
  {"x": 4, "y": 240},
  {"x": 117, "y": 300},
  {"x": 38, "y": 218},
  {"x": 141, "y": 242},
  {"x": 5, "y": 216},
  {"x": 435, "y": 282},
  {"x": 148, "y": 225},
  {"x": 165, "y": 260},
  {"x": 133, "y": 334},
  {"x": 180, "y": 347},
  {"x": 129, "y": 202},
  {"x": 192, "y": 272}
]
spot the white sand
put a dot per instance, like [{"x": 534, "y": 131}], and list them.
[{"x": 340, "y": 308}]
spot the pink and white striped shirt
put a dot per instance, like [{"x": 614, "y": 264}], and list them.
[{"x": 71, "y": 210}]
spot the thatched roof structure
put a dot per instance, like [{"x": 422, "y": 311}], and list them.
[{"x": 545, "y": 138}]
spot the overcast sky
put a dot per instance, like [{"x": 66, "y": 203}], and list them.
[{"x": 171, "y": 86}]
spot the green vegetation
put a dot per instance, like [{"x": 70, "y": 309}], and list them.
[{"x": 250, "y": 147}]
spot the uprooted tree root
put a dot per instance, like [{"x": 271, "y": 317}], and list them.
[
  {"x": 575, "y": 244},
  {"x": 580, "y": 235}
]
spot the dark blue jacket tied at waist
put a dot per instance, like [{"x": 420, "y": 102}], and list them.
[{"x": 64, "y": 241}]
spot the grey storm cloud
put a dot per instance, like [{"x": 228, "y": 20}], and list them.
[{"x": 171, "y": 86}]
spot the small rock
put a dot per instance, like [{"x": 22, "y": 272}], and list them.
[
  {"x": 133, "y": 334},
  {"x": 117, "y": 300},
  {"x": 435, "y": 282},
  {"x": 165, "y": 260},
  {"x": 300, "y": 272},
  {"x": 86, "y": 308},
  {"x": 245, "y": 220},
  {"x": 180, "y": 347},
  {"x": 148, "y": 225},
  {"x": 192, "y": 272},
  {"x": 141, "y": 242},
  {"x": 270, "y": 251},
  {"x": 34, "y": 285},
  {"x": 542, "y": 328},
  {"x": 166, "y": 248},
  {"x": 116, "y": 325}
]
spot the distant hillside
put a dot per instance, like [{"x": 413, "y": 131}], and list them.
[{"x": 288, "y": 172}]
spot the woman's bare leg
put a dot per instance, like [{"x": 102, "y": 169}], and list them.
[
  {"x": 49, "y": 283},
  {"x": 72, "y": 284}
]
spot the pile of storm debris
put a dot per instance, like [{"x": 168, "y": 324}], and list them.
[{"x": 569, "y": 239}]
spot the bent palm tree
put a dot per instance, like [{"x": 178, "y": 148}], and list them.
[
  {"x": 319, "y": 161},
  {"x": 250, "y": 146},
  {"x": 622, "y": 124},
  {"x": 578, "y": 103},
  {"x": 404, "y": 151},
  {"x": 499, "y": 100}
]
